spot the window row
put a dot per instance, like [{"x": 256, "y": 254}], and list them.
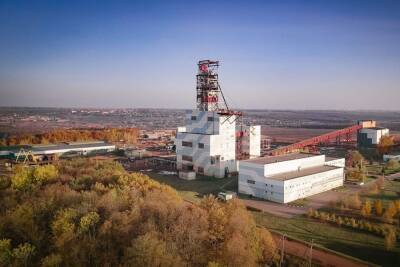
[
  {"x": 193, "y": 118},
  {"x": 190, "y": 144}
]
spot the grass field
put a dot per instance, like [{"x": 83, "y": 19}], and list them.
[
  {"x": 194, "y": 190},
  {"x": 357, "y": 244},
  {"x": 390, "y": 193}
]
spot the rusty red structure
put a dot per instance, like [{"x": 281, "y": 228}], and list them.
[{"x": 328, "y": 137}]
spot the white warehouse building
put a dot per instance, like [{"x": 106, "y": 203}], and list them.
[{"x": 289, "y": 177}]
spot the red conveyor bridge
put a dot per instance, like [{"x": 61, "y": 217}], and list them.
[{"x": 335, "y": 135}]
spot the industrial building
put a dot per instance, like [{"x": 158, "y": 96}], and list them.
[
  {"x": 370, "y": 137},
  {"x": 286, "y": 178},
  {"x": 214, "y": 137},
  {"x": 44, "y": 152}
]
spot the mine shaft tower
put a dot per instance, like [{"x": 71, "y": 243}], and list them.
[{"x": 209, "y": 91}]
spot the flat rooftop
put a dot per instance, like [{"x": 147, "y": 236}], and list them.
[
  {"x": 274, "y": 159},
  {"x": 304, "y": 172},
  {"x": 42, "y": 148},
  {"x": 376, "y": 128},
  {"x": 331, "y": 158},
  {"x": 38, "y": 149}
]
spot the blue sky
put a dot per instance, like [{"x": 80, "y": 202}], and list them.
[{"x": 274, "y": 54}]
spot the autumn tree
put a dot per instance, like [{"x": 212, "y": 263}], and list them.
[
  {"x": 22, "y": 254},
  {"x": 392, "y": 164},
  {"x": 390, "y": 239},
  {"x": 84, "y": 212},
  {"x": 355, "y": 159},
  {"x": 148, "y": 250},
  {"x": 366, "y": 209},
  {"x": 390, "y": 212},
  {"x": 385, "y": 144},
  {"x": 378, "y": 207},
  {"x": 5, "y": 252}
]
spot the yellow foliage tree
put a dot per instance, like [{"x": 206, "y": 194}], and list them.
[{"x": 385, "y": 144}]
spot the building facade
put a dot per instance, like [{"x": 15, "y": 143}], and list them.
[
  {"x": 286, "y": 178},
  {"x": 207, "y": 144},
  {"x": 370, "y": 137},
  {"x": 213, "y": 138}
]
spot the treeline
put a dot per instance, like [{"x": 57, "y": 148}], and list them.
[
  {"x": 93, "y": 213},
  {"x": 128, "y": 135}
]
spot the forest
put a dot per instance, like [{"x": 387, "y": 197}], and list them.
[
  {"x": 127, "y": 135},
  {"x": 84, "y": 212}
]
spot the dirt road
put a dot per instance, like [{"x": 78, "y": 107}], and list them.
[{"x": 320, "y": 257}]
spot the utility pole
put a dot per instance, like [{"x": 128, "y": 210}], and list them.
[
  {"x": 311, "y": 248},
  {"x": 282, "y": 250}
]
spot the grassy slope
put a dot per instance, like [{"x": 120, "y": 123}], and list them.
[
  {"x": 358, "y": 244},
  {"x": 196, "y": 189}
]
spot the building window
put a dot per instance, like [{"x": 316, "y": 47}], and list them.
[
  {"x": 201, "y": 145},
  {"x": 251, "y": 181},
  {"x": 210, "y": 118},
  {"x": 187, "y": 144},
  {"x": 187, "y": 158},
  {"x": 200, "y": 170},
  {"x": 193, "y": 118}
]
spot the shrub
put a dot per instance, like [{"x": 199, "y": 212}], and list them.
[
  {"x": 378, "y": 207},
  {"x": 390, "y": 239}
]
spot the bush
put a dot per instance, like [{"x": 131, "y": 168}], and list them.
[
  {"x": 392, "y": 164},
  {"x": 390, "y": 239}
]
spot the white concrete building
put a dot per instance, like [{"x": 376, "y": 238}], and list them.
[
  {"x": 213, "y": 140},
  {"x": 251, "y": 140},
  {"x": 289, "y": 177},
  {"x": 369, "y": 137},
  {"x": 207, "y": 146}
]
